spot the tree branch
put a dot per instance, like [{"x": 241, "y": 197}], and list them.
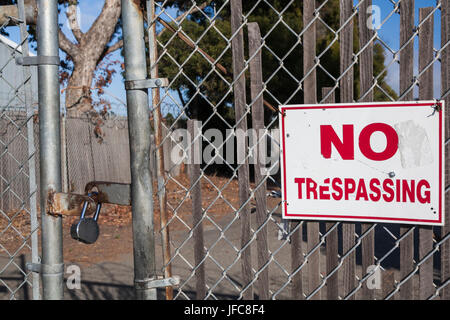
[
  {"x": 114, "y": 47},
  {"x": 188, "y": 12},
  {"x": 72, "y": 18},
  {"x": 66, "y": 45},
  {"x": 102, "y": 29},
  {"x": 119, "y": 44}
]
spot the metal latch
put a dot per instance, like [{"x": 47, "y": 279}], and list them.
[
  {"x": 38, "y": 60},
  {"x": 70, "y": 204},
  {"x": 34, "y": 267},
  {"x": 53, "y": 269},
  {"x": 157, "y": 282},
  {"x": 110, "y": 192},
  {"x": 146, "y": 83}
]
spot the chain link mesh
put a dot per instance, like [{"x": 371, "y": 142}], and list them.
[
  {"x": 18, "y": 207},
  {"x": 194, "y": 46}
]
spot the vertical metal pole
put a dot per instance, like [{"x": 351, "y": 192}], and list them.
[
  {"x": 50, "y": 152},
  {"x": 157, "y": 120},
  {"x": 31, "y": 152},
  {"x": 139, "y": 132},
  {"x": 64, "y": 180}
]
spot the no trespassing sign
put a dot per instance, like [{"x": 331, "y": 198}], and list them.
[{"x": 368, "y": 162}]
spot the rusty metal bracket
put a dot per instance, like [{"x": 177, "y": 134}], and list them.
[
  {"x": 56, "y": 269},
  {"x": 69, "y": 204},
  {"x": 146, "y": 83},
  {"x": 157, "y": 283},
  {"x": 38, "y": 60},
  {"x": 110, "y": 192}
]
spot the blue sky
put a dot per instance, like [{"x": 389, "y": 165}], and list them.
[{"x": 389, "y": 33}]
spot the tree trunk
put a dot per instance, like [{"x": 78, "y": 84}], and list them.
[
  {"x": 78, "y": 92},
  {"x": 86, "y": 54}
]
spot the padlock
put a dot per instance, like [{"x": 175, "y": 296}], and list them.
[{"x": 86, "y": 230}]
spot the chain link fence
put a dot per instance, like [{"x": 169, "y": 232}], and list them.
[
  {"x": 230, "y": 65},
  {"x": 19, "y": 226}
]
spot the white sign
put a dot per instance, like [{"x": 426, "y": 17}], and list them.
[{"x": 378, "y": 162}]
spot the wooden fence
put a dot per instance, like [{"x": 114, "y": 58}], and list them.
[
  {"x": 416, "y": 242},
  {"x": 90, "y": 154}
]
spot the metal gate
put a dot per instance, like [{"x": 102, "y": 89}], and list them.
[{"x": 19, "y": 225}]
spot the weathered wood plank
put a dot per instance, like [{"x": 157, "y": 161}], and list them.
[
  {"x": 161, "y": 158},
  {"x": 366, "y": 56},
  {"x": 310, "y": 97},
  {"x": 80, "y": 166},
  {"x": 256, "y": 87},
  {"x": 309, "y": 52},
  {"x": 237, "y": 47},
  {"x": 332, "y": 239},
  {"x": 366, "y": 95},
  {"x": 406, "y": 79},
  {"x": 346, "y": 93},
  {"x": 426, "y": 32},
  {"x": 197, "y": 211},
  {"x": 388, "y": 280},
  {"x": 332, "y": 260},
  {"x": 297, "y": 259},
  {"x": 368, "y": 254}
]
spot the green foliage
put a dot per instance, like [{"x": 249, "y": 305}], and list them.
[{"x": 207, "y": 89}]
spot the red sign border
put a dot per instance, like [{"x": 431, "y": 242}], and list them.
[{"x": 283, "y": 109}]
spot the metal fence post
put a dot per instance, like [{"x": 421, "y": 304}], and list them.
[
  {"x": 157, "y": 120},
  {"x": 31, "y": 153},
  {"x": 52, "y": 268},
  {"x": 139, "y": 131}
]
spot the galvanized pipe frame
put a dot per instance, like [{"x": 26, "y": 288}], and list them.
[
  {"x": 52, "y": 270},
  {"x": 17, "y": 15},
  {"x": 157, "y": 124},
  {"x": 31, "y": 153},
  {"x": 139, "y": 132}
]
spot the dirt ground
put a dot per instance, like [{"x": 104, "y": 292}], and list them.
[
  {"x": 115, "y": 221},
  {"x": 107, "y": 266},
  {"x": 115, "y": 243}
]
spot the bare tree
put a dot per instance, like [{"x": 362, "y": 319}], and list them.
[{"x": 86, "y": 52}]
